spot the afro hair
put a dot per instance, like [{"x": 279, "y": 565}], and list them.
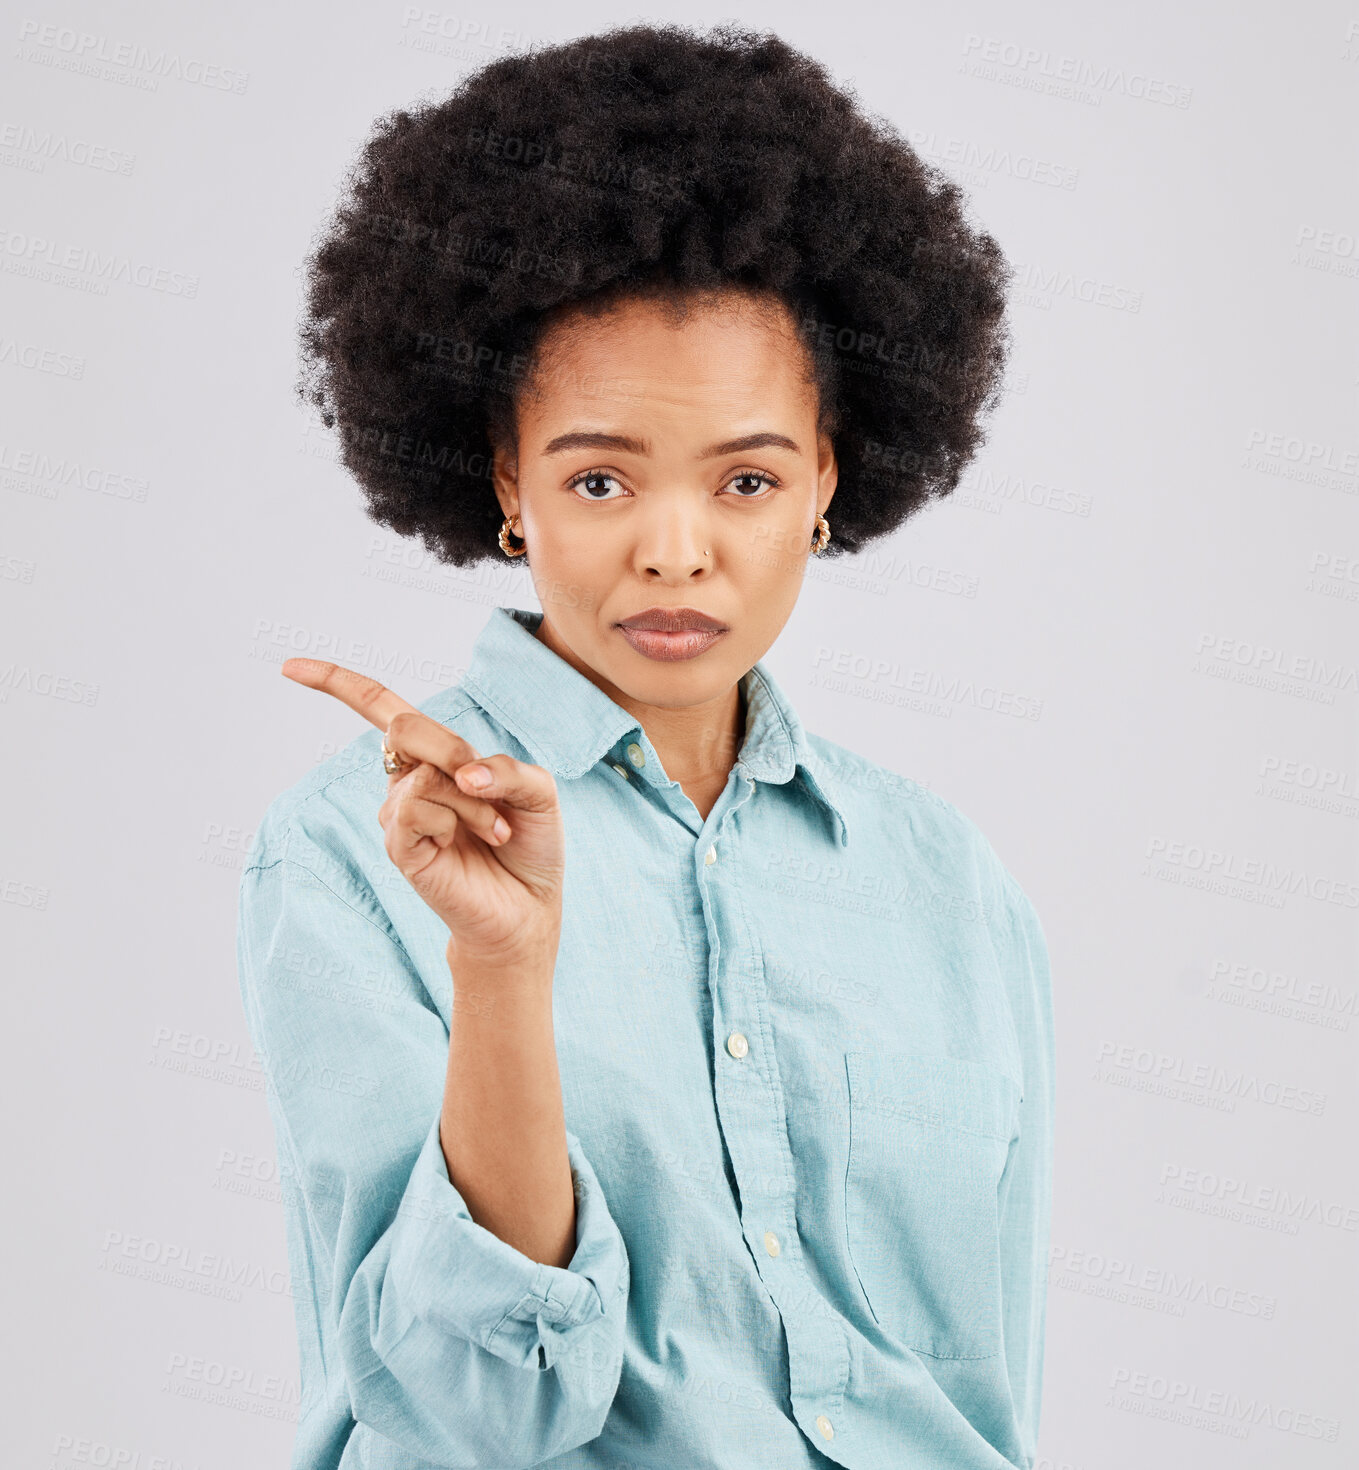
[{"x": 644, "y": 158}]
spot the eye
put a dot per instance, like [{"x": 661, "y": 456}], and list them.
[
  {"x": 592, "y": 478},
  {"x": 758, "y": 477}
]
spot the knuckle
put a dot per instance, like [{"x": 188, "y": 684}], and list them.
[
  {"x": 366, "y": 691},
  {"x": 401, "y": 722}
]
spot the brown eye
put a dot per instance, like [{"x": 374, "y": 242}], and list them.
[
  {"x": 759, "y": 478},
  {"x": 591, "y": 480}
]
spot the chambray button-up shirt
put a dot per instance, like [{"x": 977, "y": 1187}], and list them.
[{"x": 806, "y": 1052}]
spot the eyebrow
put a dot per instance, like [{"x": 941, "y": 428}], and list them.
[{"x": 580, "y": 439}]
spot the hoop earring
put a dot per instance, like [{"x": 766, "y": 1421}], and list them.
[
  {"x": 505, "y": 546},
  {"x": 822, "y": 535}
]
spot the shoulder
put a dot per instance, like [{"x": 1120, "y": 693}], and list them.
[
  {"x": 904, "y": 820},
  {"x": 326, "y": 820},
  {"x": 902, "y": 828}
]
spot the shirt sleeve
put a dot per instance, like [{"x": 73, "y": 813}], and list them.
[
  {"x": 1026, "y": 1185},
  {"x": 446, "y": 1340}
]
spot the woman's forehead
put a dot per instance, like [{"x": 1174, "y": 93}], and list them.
[{"x": 640, "y": 358}]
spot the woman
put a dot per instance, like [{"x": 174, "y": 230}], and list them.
[{"x": 657, "y": 1083}]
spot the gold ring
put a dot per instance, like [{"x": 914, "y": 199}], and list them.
[{"x": 391, "y": 761}]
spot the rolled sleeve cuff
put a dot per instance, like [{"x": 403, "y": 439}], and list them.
[{"x": 450, "y": 1275}]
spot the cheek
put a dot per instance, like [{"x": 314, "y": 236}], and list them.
[
  {"x": 768, "y": 583},
  {"x": 572, "y": 572},
  {"x": 776, "y": 552}
]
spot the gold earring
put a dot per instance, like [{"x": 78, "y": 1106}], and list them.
[
  {"x": 822, "y": 535},
  {"x": 505, "y": 528}
]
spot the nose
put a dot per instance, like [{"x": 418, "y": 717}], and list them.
[{"x": 675, "y": 544}]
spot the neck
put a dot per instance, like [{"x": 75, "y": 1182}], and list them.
[{"x": 697, "y": 744}]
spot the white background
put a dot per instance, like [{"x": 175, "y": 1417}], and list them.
[{"x": 1157, "y": 549}]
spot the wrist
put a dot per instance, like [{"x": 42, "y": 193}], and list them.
[{"x": 520, "y": 965}]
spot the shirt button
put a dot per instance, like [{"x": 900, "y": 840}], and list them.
[
  {"x": 824, "y": 1425},
  {"x": 771, "y": 1243},
  {"x": 737, "y": 1045},
  {"x": 622, "y": 770},
  {"x": 635, "y": 754},
  {"x": 710, "y": 857}
]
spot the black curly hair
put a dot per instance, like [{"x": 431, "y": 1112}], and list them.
[{"x": 646, "y": 159}]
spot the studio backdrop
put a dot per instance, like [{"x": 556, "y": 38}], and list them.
[{"x": 1125, "y": 647}]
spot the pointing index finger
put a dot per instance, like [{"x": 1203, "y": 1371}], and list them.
[{"x": 375, "y": 702}]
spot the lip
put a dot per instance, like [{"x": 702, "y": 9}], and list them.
[
  {"x": 670, "y": 647},
  {"x": 669, "y": 634},
  {"x": 673, "y": 620}
]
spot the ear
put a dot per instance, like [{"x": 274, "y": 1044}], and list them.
[
  {"x": 505, "y": 477},
  {"x": 828, "y": 472}
]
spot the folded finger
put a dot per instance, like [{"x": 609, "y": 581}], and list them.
[
  {"x": 426, "y": 786},
  {"x": 418, "y": 820},
  {"x": 515, "y": 783}
]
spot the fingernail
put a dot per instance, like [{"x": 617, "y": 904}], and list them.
[
  {"x": 477, "y": 775},
  {"x": 501, "y": 828}
]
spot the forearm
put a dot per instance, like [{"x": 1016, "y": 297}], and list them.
[
  {"x": 502, "y": 1125},
  {"x": 447, "y": 1341}
]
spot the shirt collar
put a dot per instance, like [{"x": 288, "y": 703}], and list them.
[{"x": 569, "y": 724}]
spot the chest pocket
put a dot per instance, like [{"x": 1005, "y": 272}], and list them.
[{"x": 929, "y": 1137}]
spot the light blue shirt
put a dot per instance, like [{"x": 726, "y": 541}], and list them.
[{"x": 806, "y": 1052}]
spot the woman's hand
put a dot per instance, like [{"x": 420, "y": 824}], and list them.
[{"x": 487, "y": 858}]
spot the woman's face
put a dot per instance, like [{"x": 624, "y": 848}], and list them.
[{"x": 666, "y": 464}]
